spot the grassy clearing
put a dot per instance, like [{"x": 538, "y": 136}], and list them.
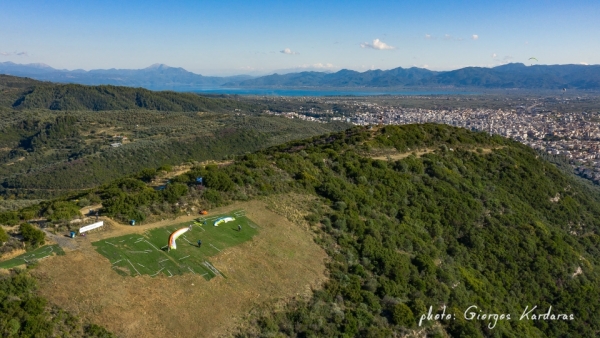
[
  {"x": 32, "y": 256},
  {"x": 146, "y": 254},
  {"x": 282, "y": 261}
]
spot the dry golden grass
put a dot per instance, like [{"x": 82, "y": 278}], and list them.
[
  {"x": 282, "y": 261},
  {"x": 12, "y": 254},
  {"x": 393, "y": 154}
]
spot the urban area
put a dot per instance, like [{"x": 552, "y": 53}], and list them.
[{"x": 576, "y": 136}]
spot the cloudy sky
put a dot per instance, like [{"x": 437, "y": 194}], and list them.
[{"x": 228, "y": 37}]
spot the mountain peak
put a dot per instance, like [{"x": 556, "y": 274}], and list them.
[
  {"x": 38, "y": 65},
  {"x": 158, "y": 66}
]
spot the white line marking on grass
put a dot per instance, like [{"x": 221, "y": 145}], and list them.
[
  {"x": 134, "y": 268},
  {"x": 110, "y": 244},
  {"x": 187, "y": 240},
  {"x": 152, "y": 245},
  {"x": 117, "y": 261},
  {"x": 214, "y": 247},
  {"x": 171, "y": 275},
  {"x": 191, "y": 270},
  {"x": 184, "y": 257},
  {"x": 140, "y": 265},
  {"x": 212, "y": 268},
  {"x": 157, "y": 272},
  {"x": 204, "y": 274},
  {"x": 164, "y": 260},
  {"x": 122, "y": 241},
  {"x": 144, "y": 252}
]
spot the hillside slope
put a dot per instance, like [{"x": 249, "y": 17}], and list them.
[
  {"x": 55, "y": 138},
  {"x": 467, "y": 220},
  {"x": 497, "y": 228}
]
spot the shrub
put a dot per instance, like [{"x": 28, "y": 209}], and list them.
[
  {"x": 32, "y": 235},
  {"x": 9, "y": 218},
  {"x": 3, "y": 236},
  {"x": 402, "y": 315}
]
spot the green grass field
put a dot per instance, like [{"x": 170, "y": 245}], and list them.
[
  {"x": 32, "y": 256},
  {"x": 146, "y": 254}
]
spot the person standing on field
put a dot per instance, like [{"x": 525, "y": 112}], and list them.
[{"x": 239, "y": 227}]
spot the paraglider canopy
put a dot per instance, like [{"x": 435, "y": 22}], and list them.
[
  {"x": 223, "y": 220},
  {"x": 532, "y": 58},
  {"x": 172, "y": 244}
]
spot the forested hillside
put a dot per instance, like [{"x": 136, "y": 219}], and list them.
[
  {"x": 474, "y": 220},
  {"x": 457, "y": 227},
  {"x": 78, "y": 97},
  {"x": 56, "y": 138}
]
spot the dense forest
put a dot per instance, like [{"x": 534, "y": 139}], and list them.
[
  {"x": 481, "y": 220},
  {"x": 23, "y": 93},
  {"x": 47, "y": 148}
]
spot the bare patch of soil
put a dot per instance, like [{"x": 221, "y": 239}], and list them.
[
  {"x": 393, "y": 154},
  {"x": 282, "y": 261}
]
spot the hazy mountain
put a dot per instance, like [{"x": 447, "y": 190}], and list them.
[
  {"x": 343, "y": 78},
  {"x": 157, "y": 76},
  {"x": 514, "y": 75},
  {"x": 160, "y": 76}
]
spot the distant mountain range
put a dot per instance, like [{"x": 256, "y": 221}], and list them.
[
  {"x": 159, "y": 76},
  {"x": 513, "y": 75}
]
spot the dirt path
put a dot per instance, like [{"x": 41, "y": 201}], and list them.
[
  {"x": 399, "y": 156},
  {"x": 62, "y": 240},
  {"x": 282, "y": 261},
  {"x": 395, "y": 155}
]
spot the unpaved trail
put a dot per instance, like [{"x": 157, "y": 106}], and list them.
[{"x": 62, "y": 240}]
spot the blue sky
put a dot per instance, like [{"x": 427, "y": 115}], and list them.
[{"x": 256, "y": 37}]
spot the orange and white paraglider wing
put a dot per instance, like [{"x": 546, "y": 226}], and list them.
[{"x": 174, "y": 235}]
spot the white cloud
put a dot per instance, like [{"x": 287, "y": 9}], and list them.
[
  {"x": 289, "y": 52},
  {"x": 377, "y": 44},
  {"x": 584, "y": 63},
  {"x": 428, "y": 37},
  {"x": 494, "y": 55},
  {"x": 475, "y": 37},
  {"x": 14, "y": 53},
  {"x": 447, "y": 37}
]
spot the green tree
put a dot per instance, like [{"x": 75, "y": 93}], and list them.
[
  {"x": 3, "y": 235},
  {"x": 32, "y": 235},
  {"x": 402, "y": 315}
]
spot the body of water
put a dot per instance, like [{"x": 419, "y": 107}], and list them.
[{"x": 321, "y": 92}]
